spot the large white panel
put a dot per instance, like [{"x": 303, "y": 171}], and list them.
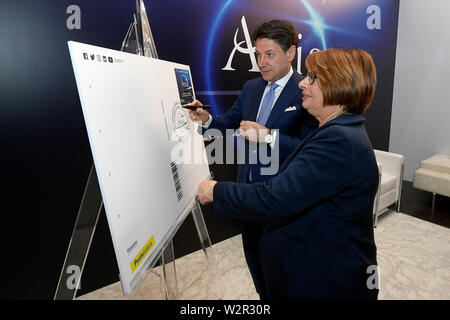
[{"x": 134, "y": 120}]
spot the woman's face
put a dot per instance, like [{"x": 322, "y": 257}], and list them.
[{"x": 312, "y": 96}]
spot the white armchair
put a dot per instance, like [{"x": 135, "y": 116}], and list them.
[{"x": 390, "y": 168}]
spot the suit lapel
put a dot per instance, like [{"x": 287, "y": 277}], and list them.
[{"x": 290, "y": 93}]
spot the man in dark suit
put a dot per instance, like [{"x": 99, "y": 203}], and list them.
[{"x": 268, "y": 112}]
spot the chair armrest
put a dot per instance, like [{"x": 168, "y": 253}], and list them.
[{"x": 391, "y": 163}]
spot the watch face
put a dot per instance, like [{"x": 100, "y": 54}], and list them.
[{"x": 269, "y": 139}]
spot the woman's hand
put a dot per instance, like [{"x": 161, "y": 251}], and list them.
[{"x": 205, "y": 191}]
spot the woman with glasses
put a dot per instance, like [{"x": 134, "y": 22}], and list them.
[{"x": 319, "y": 241}]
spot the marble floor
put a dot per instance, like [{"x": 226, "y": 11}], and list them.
[{"x": 413, "y": 258}]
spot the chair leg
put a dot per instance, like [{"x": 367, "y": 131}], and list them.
[
  {"x": 433, "y": 202},
  {"x": 377, "y": 200},
  {"x": 399, "y": 199},
  {"x": 376, "y": 220},
  {"x": 400, "y": 188}
]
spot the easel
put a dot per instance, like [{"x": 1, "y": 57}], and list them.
[{"x": 139, "y": 41}]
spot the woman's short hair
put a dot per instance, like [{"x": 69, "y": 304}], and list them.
[{"x": 346, "y": 77}]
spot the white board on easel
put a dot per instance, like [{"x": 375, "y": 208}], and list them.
[{"x": 135, "y": 123}]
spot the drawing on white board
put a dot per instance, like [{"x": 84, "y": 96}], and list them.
[{"x": 180, "y": 123}]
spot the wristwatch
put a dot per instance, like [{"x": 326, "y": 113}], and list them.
[{"x": 269, "y": 137}]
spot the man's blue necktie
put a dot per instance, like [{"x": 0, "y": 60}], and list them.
[
  {"x": 266, "y": 105},
  {"x": 264, "y": 112}
]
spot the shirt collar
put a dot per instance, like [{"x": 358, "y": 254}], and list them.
[{"x": 282, "y": 82}]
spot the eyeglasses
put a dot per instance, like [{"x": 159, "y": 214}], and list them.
[{"x": 311, "y": 77}]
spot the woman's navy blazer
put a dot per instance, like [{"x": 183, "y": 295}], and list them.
[{"x": 319, "y": 240}]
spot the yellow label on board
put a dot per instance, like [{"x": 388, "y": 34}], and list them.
[{"x": 141, "y": 255}]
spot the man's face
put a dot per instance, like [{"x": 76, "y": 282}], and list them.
[{"x": 273, "y": 62}]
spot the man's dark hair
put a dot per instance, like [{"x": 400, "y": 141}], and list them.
[{"x": 281, "y": 31}]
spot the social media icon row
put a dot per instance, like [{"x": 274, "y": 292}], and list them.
[{"x": 98, "y": 57}]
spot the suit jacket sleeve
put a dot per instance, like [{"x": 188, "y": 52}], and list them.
[
  {"x": 320, "y": 170},
  {"x": 231, "y": 119}
]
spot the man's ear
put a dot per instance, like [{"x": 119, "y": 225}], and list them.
[{"x": 291, "y": 53}]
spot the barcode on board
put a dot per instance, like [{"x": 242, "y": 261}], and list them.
[{"x": 176, "y": 179}]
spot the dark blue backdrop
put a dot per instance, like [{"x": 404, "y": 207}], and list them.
[
  {"x": 207, "y": 44},
  {"x": 45, "y": 155}
]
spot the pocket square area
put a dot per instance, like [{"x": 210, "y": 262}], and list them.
[{"x": 290, "y": 109}]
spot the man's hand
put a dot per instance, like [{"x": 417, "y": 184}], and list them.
[
  {"x": 253, "y": 131},
  {"x": 198, "y": 115},
  {"x": 205, "y": 191}
]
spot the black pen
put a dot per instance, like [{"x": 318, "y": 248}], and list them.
[{"x": 186, "y": 106}]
